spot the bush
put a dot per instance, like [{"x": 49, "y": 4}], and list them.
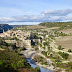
[
  {"x": 40, "y": 59},
  {"x": 46, "y": 43},
  {"x": 64, "y": 55},
  {"x": 37, "y": 69},
  {"x": 44, "y": 53},
  {"x": 36, "y": 49},
  {"x": 57, "y": 60},
  {"x": 1, "y": 62},
  {"x": 16, "y": 38},
  {"x": 69, "y": 50},
  {"x": 59, "y": 47},
  {"x": 67, "y": 66}
]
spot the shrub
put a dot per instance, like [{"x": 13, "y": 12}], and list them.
[
  {"x": 37, "y": 69},
  {"x": 46, "y": 43},
  {"x": 1, "y": 62},
  {"x": 43, "y": 48},
  {"x": 69, "y": 50},
  {"x": 16, "y": 38},
  {"x": 57, "y": 60},
  {"x": 59, "y": 47},
  {"x": 44, "y": 53},
  {"x": 64, "y": 55},
  {"x": 36, "y": 49}
]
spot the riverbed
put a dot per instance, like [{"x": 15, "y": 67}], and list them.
[{"x": 33, "y": 65}]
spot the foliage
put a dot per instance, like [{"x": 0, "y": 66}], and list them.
[
  {"x": 10, "y": 58},
  {"x": 38, "y": 59},
  {"x": 69, "y": 50},
  {"x": 64, "y": 55},
  {"x": 34, "y": 36},
  {"x": 11, "y": 61},
  {"x": 46, "y": 43},
  {"x": 37, "y": 69},
  {"x": 61, "y": 25},
  {"x": 59, "y": 34},
  {"x": 57, "y": 60},
  {"x": 44, "y": 53},
  {"x": 67, "y": 66},
  {"x": 60, "y": 48},
  {"x": 36, "y": 49}
]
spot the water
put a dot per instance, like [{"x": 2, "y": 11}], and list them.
[{"x": 33, "y": 65}]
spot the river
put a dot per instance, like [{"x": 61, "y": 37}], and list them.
[{"x": 33, "y": 65}]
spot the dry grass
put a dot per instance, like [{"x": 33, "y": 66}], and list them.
[
  {"x": 67, "y": 31},
  {"x": 65, "y": 42},
  {"x": 36, "y": 27}
]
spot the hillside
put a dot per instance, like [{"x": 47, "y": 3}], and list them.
[
  {"x": 18, "y": 25},
  {"x": 11, "y": 60},
  {"x": 54, "y": 48},
  {"x": 61, "y": 25},
  {"x": 4, "y": 27}
]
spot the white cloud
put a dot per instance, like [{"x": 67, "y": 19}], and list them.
[
  {"x": 57, "y": 12},
  {"x": 46, "y": 16}
]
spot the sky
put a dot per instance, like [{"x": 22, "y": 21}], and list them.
[{"x": 35, "y": 11}]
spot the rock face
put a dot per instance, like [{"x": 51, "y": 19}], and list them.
[{"x": 10, "y": 41}]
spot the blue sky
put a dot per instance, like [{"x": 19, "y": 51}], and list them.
[{"x": 19, "y": 11}]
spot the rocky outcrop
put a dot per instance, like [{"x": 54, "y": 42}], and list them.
[{"x": 10, "y": 41}]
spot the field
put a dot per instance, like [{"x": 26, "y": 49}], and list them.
[
  {"x": 65, "y": 42},
  {"x": 67, "y": 31}
]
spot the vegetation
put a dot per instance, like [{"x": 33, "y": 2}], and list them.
[
  {"x": 69, "y": 50},
  {"x": 67, "y": 66},
  {"x": 11, "y": 61},
  {"x": 61, "y": 25},
  {"x": 57, "y": 34},
  {"x": 34, "y": 36},
  {"x": 37, "y": 69},
  {"x": 60, "y": 48},
  {"x": 40, "y": 59},
  {"x": 46, "y": 43},
  {"x": 64, "y": 55},
  {"x": 44, "y": 53}
]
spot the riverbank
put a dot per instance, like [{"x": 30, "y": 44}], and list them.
[
  {"x": 44, "y": 66},
  {"x": 34, "y": 65},
  {"x": 30, "y": 52}
]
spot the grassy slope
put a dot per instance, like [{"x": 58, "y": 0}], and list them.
[
  {"x": 61, "y": 25},
  {"x": 11, "y": 61}
]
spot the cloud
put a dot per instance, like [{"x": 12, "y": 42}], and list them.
[
  {"x": 46, "y": 16},
  {"x": 57, "y": 12},
  {"x": 6, "y": 19}
]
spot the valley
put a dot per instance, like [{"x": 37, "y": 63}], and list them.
[{"x": 48, "y": 44}]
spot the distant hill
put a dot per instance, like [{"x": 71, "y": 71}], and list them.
[
  {"x": 61, "y": 25},
  {"x": 4, "y": 27},
  {"x": 18, "y": 25}
]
